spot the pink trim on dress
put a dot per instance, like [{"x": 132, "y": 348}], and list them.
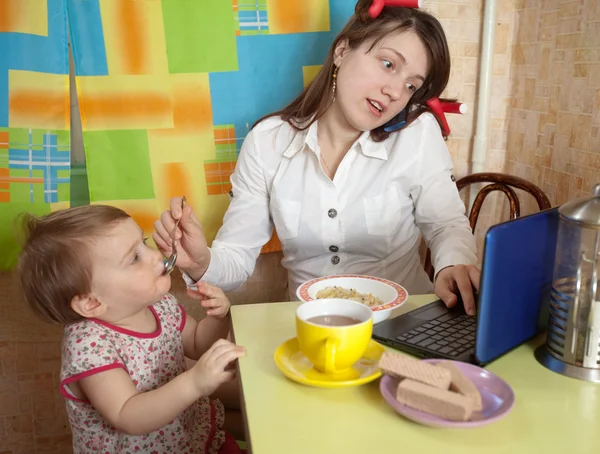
[
  {"x": 129, "y": 332},
  {"x": 87, "y": 373}
]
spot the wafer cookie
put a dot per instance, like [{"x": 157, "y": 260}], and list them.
[
  {"x": 439, "y": 402},
  {"x": 462, "y": 385},
  {"x": 402, "y": 366}
]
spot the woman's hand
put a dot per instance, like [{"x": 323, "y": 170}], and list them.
[
  {"x": 212, "y": 299},
  {"x": 458, "y": 280},
  {"x": 193, "y": 255}
]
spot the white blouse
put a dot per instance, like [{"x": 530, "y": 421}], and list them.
[{"x": 366, "y": 221}]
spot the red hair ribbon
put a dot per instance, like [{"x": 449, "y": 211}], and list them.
[
  {"x": 439, "y": 109},
  {"x": 378, "y": 5}
]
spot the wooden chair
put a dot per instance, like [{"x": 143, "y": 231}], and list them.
[{"x": 498, "y": 182}]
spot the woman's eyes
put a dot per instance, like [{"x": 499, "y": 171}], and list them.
[{"x": 389, "y": 65}]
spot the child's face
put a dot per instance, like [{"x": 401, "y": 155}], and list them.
[{"x": 127, "y": 275}]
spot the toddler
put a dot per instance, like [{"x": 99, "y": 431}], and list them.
[{"x": 126, "y": 338}]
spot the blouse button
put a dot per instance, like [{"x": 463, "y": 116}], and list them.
[
  {"x": 332, "y": 213},
  {"x": 335, "y": 260},
  {"x": 334, "y": 248}
]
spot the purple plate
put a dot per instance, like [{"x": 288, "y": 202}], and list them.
[{"x": 497, "y": 398}]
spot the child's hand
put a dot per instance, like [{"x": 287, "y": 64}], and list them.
[
  {"x": 211, "y": 298},
  {"x": 213, "y": 368}
]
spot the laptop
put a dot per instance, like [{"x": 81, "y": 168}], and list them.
[{"x": 512, "y": 302}]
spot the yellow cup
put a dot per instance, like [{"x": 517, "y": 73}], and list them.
[{"x": 333, "y": 348}]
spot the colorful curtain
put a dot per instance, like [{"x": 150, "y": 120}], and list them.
[
  {"x": 34, "y": 114},
  {"x": 167, "y": 92}
]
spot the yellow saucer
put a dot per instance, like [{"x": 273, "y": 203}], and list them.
[{"x": 294, "y": 365}]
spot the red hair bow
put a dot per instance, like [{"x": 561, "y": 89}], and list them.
[
  {"x": 378, "y": 5},
  {"x": 439, "y": 109}
]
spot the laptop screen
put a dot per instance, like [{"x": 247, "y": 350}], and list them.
[{"x": 515, "y": 285}]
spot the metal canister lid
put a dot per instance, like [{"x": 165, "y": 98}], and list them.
[{"x": 584, "y": 211}]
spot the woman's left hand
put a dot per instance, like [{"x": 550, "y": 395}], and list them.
[
  {"x": 211, "y": 298},
  {"x": 458, "y": 280}
]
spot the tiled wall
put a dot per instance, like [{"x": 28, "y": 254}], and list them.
[
  {"x": 554, "y": 124},
  {"x": 32, "y": 413},
  {"x": 545, "y": 110},
  {"x": 544, "y": 126}
]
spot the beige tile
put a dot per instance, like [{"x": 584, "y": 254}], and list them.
[
  {"x": 469, "y": 49},
  {"x": 541, "y": 90},
  {"x": 25, "y": 403},
  {"x": 501, "y": 38},
  {"x": 570, "y": 25},
  {"x": 19, "y": 424},
  {"x": 500, "y": 65},
  {"x": 527, "y": 26},
  {"x": 580, "y": 70},
  {"x": 47, "y": 350},
  {"x": 550, "y": 19},
  {"x": 568, "y": 9},
  {"x": 562, "y": 189},
  {"x": 8, "y": 383},
  {"x": 596, "y": 108},
  {"x": 587, "y": 101},
  {"x": 26, "y": 360},
  {"x": 56, "y": 444},
  {"x": 569, "y": 41},
  {"x": 592, "y": 34},
  {"x": 46, "y": 427},
  {"x": 499, "y": 123},
  {"x": 587, "y": 55},
  {"x": 8, "y": 351},
  {"x": 9, "y": 403},
  {"x": 547, "y": 35},
  {"x": 580, "y": 134},
  {"x": 591, "y": 9},
  {"x": 18, "y": 444},
  {"x": 565, "y": 122},
  {"x": 550, "y": 191},
  {"x": 36, "y": 383},
  {"x": 45, "y": 403},
  {"x": 447, "y": 10},
  {"x": 545, "y": 63},
  {"x": 594, "y": 75}
]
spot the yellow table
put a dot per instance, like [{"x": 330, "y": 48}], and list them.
[{"x": 552, "y": 413}]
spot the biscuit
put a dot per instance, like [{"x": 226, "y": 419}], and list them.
[
  {"x": 462, "y": 385},
  {"x": 434, "y": 401},
  {"x": 402, "y": 366}
]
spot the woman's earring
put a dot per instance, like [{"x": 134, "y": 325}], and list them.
[{"x": 334, "y": 76}]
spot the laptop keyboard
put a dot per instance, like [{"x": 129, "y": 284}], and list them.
[{"x": 450, "y": 334}]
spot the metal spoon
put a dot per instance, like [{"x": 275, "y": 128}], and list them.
[{"x": 170, "y": 262}]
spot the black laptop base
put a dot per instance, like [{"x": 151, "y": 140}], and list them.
[{"x": 432, "y": 331}]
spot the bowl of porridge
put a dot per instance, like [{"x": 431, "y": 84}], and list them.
[{"x": 381, "y": 295}]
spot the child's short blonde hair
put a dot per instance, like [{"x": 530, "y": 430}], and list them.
[{"x": 55, "y": 263}]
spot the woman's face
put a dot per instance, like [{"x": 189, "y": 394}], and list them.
[{"x": 374, "y": 86}]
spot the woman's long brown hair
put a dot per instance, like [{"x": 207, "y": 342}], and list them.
[{"x": 315, "y": 99}]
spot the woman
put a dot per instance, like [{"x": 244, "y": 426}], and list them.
[{"x": 344, "y": 193}]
